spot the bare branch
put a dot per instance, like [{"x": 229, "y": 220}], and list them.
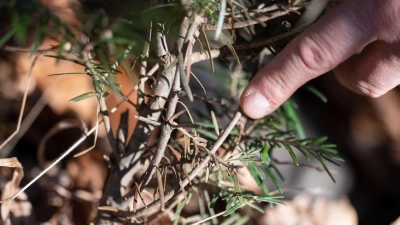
[{"x": 192, "y": 174}]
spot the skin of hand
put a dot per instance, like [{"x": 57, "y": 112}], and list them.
[{"x": 372, "y": 26}]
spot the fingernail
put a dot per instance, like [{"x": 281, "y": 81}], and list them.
[{"x": 256, "y": 105}]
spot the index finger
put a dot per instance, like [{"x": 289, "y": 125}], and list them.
[{"x": 323, "y": 46}]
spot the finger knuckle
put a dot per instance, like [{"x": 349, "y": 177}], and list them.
[
  {"x": 368, "y": 89},
  {"x": 314, "y": 56}
]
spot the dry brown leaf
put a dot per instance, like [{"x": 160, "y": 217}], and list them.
[
  {"x": 11, "y": 187},
  {"x": 10, "y": 162}
]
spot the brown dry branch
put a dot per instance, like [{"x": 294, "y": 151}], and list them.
[
  {"x": 166, "y": 130},
  {"x": 119, "y": 178},
  {"x": 192, "y": 175}
]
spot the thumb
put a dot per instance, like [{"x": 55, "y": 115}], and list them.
[{"x": 323, "y": 46}]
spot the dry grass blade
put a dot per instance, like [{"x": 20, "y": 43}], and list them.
[
  {"x": 176, "y": 153},
  {"x": 10, "y": 187},
  {"x": 174, "y": 117},
  {"x": 198, "y": 81},
  {"x": 187, "y": 110},
  {"x": 208, "y": 47},
  {"x": 141, "y": 197},
  {"x": 183, "y": 189},
  {"x": 160, "y": 189},
  {"x": 21, "y": 112},
  {"x": 209, "y": 218},
  {"x": 95, "y": 135},
  {"x": 165, "y": 173},
  {"x": 186, "y": 174},
  {"x": 61, "y": 157}
]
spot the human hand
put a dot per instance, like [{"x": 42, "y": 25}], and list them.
[{"x": 370, "y": 25}]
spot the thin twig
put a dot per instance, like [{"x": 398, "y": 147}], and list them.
[
  {"x": 148, "y": 121},
  {"x": 61, "y": 157},
  {"x": 166, "y": 130},
  {"x": 210, "y": 218}
]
